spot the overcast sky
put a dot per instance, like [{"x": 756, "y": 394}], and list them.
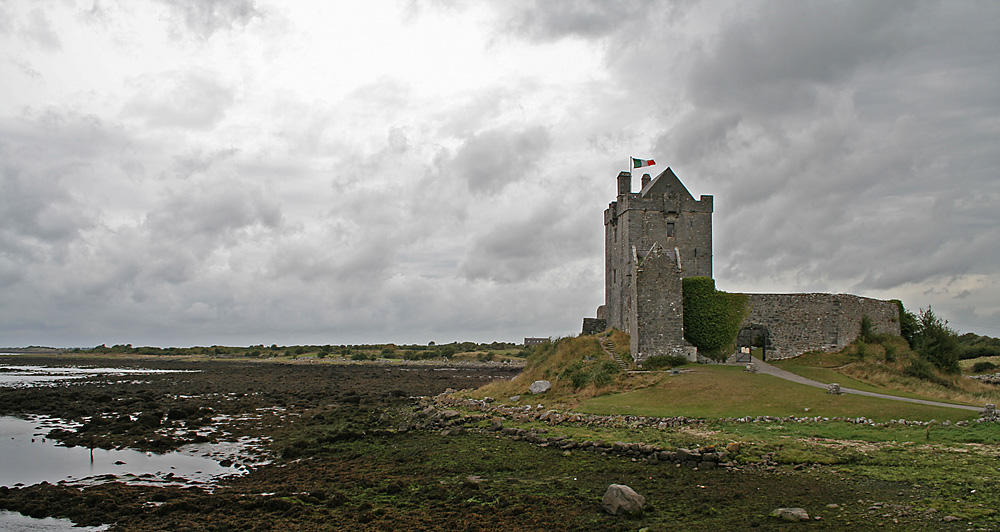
[{"x": 237, "y": 172}]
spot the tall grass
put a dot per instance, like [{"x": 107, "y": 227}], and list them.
[
  {"x": 577, "y": 368},
  {"x": 889, "y": 363}
]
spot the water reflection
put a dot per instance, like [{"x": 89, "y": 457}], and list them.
[{"x": 27, "y": 457}]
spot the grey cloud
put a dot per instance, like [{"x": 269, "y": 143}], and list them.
[
  {"x": 194, "y": 100},
  {"x": 38, "y": 30},
  {"x": 491, "y": 160},
  {"x": 523, "y": 249},
  {"x": 209, "y": 216},
  {"x": 543, "y": 20},
  {"x": 777, "y": 60},
  {"x": 205, "y": 17},
  {"x": 43, "y": 159}
]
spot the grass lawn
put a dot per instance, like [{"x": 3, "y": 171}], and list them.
[{"x": 726, "y": 391}]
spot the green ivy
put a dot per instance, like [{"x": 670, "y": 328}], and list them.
[{"x": 712, "y": 318}]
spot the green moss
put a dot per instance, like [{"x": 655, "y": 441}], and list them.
[{"x": 712, "y": 318}]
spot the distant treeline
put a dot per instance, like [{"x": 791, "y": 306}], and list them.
[
  {"x": 971, "y": 345},
  {"x": 484, "y": 351}
]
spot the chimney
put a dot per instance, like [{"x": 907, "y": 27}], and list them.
[
  {"x": 645, "y": 180},
  {"x": 624, "y": 183}
]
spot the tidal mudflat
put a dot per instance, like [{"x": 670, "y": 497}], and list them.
[{"x": 366, "y": 447}]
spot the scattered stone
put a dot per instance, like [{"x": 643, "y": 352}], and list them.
[
  {"x": 949, "y": 519},
  {"x": 833, "y": 506},
  {"x": 751, "y": 368},
  {"x": 622, "y": 500},
  {"x": 733, "y": 447},
  {"x": 514, "y": 398},
  {"x": 538, "y": 387},
  {"x": 791, "y": 514},
  {"x": 833, "y": 388}
]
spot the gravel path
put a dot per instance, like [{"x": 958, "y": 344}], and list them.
[{"x": 764, "y": 367}]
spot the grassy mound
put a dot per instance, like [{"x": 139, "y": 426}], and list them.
[
  {"x": 578, "y": 368},
  {"x": 886, "y": 364}
]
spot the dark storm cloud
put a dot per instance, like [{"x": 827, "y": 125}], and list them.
[
  {"x": 775, "y": 60},
  {"x": 491, "y": 160},
  {"x": 205, "y": 17},
  {"x": 848, "y": 145}
]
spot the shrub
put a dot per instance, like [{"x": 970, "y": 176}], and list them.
[
  {"x": 890, "y": 352},
  {"x": 663, "y": 362},
  {"x": 605, "y": 374},
  {"x": 860, "y": 349},
  {"x": 924, "y": 370},
  {"x": 866, "y": 329},
  {"x": 936, "y": 342},
  {"x": 980, "y": 367},
  {"x": 909, "y": 325},
  {"x": 920, "y": 369},
  {"x": 448, "y": 351}
]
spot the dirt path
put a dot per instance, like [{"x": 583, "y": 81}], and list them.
[{"x": 764, "y": 367}]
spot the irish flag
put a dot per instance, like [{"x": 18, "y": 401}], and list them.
[{"x": 639, "y": 163}]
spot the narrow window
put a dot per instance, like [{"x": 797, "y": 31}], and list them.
[{"x": 670, "y": 229}]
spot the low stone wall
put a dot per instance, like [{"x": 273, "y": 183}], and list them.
[
  {"x": 797, "y": 323},
  {"x": 594, "y": 325},
  {"x": 440, "y": 414}
]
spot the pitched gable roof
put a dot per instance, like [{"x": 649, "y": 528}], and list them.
[{"x": 663, "y": 183}]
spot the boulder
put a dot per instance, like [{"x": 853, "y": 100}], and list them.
[
  {"x": 540, "y": 387},
  {"x": 622, "y": 500},
  {"x": 791, "y": 514},
  {"x": 684, "y": 455}
]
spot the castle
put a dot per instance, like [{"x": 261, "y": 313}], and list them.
[{"x": 662, "y": 234}]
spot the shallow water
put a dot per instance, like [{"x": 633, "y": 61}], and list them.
[
  {"x": 15, "y": 522},
  {"x": 27, "y": 457},
  {"x": 14, "y": 375}
]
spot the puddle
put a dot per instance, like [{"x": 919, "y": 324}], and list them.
[
  {"x": 27, "y": 457},
  {"x": 15, "y": 522},
  {"x": 16, "y": 376}
]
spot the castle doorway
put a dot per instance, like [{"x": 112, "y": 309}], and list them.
[{"x": 756, "y": 338}]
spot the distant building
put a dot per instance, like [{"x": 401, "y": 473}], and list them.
[
  {"x": 656, "y": 237},
  {"x": 528, "y": 342}
]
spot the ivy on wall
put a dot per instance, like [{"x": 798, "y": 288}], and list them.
[{"x": 712, "y": 318}]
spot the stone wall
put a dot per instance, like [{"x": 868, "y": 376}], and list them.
[
  {"x": 594, "y": 325},
  {"x": 663, "y": 213},
  {"x": 797, "y": 323},
  {"x": 658, "y": 308}
]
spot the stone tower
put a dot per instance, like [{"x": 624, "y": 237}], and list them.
[{"x": 654, "y": 238}]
